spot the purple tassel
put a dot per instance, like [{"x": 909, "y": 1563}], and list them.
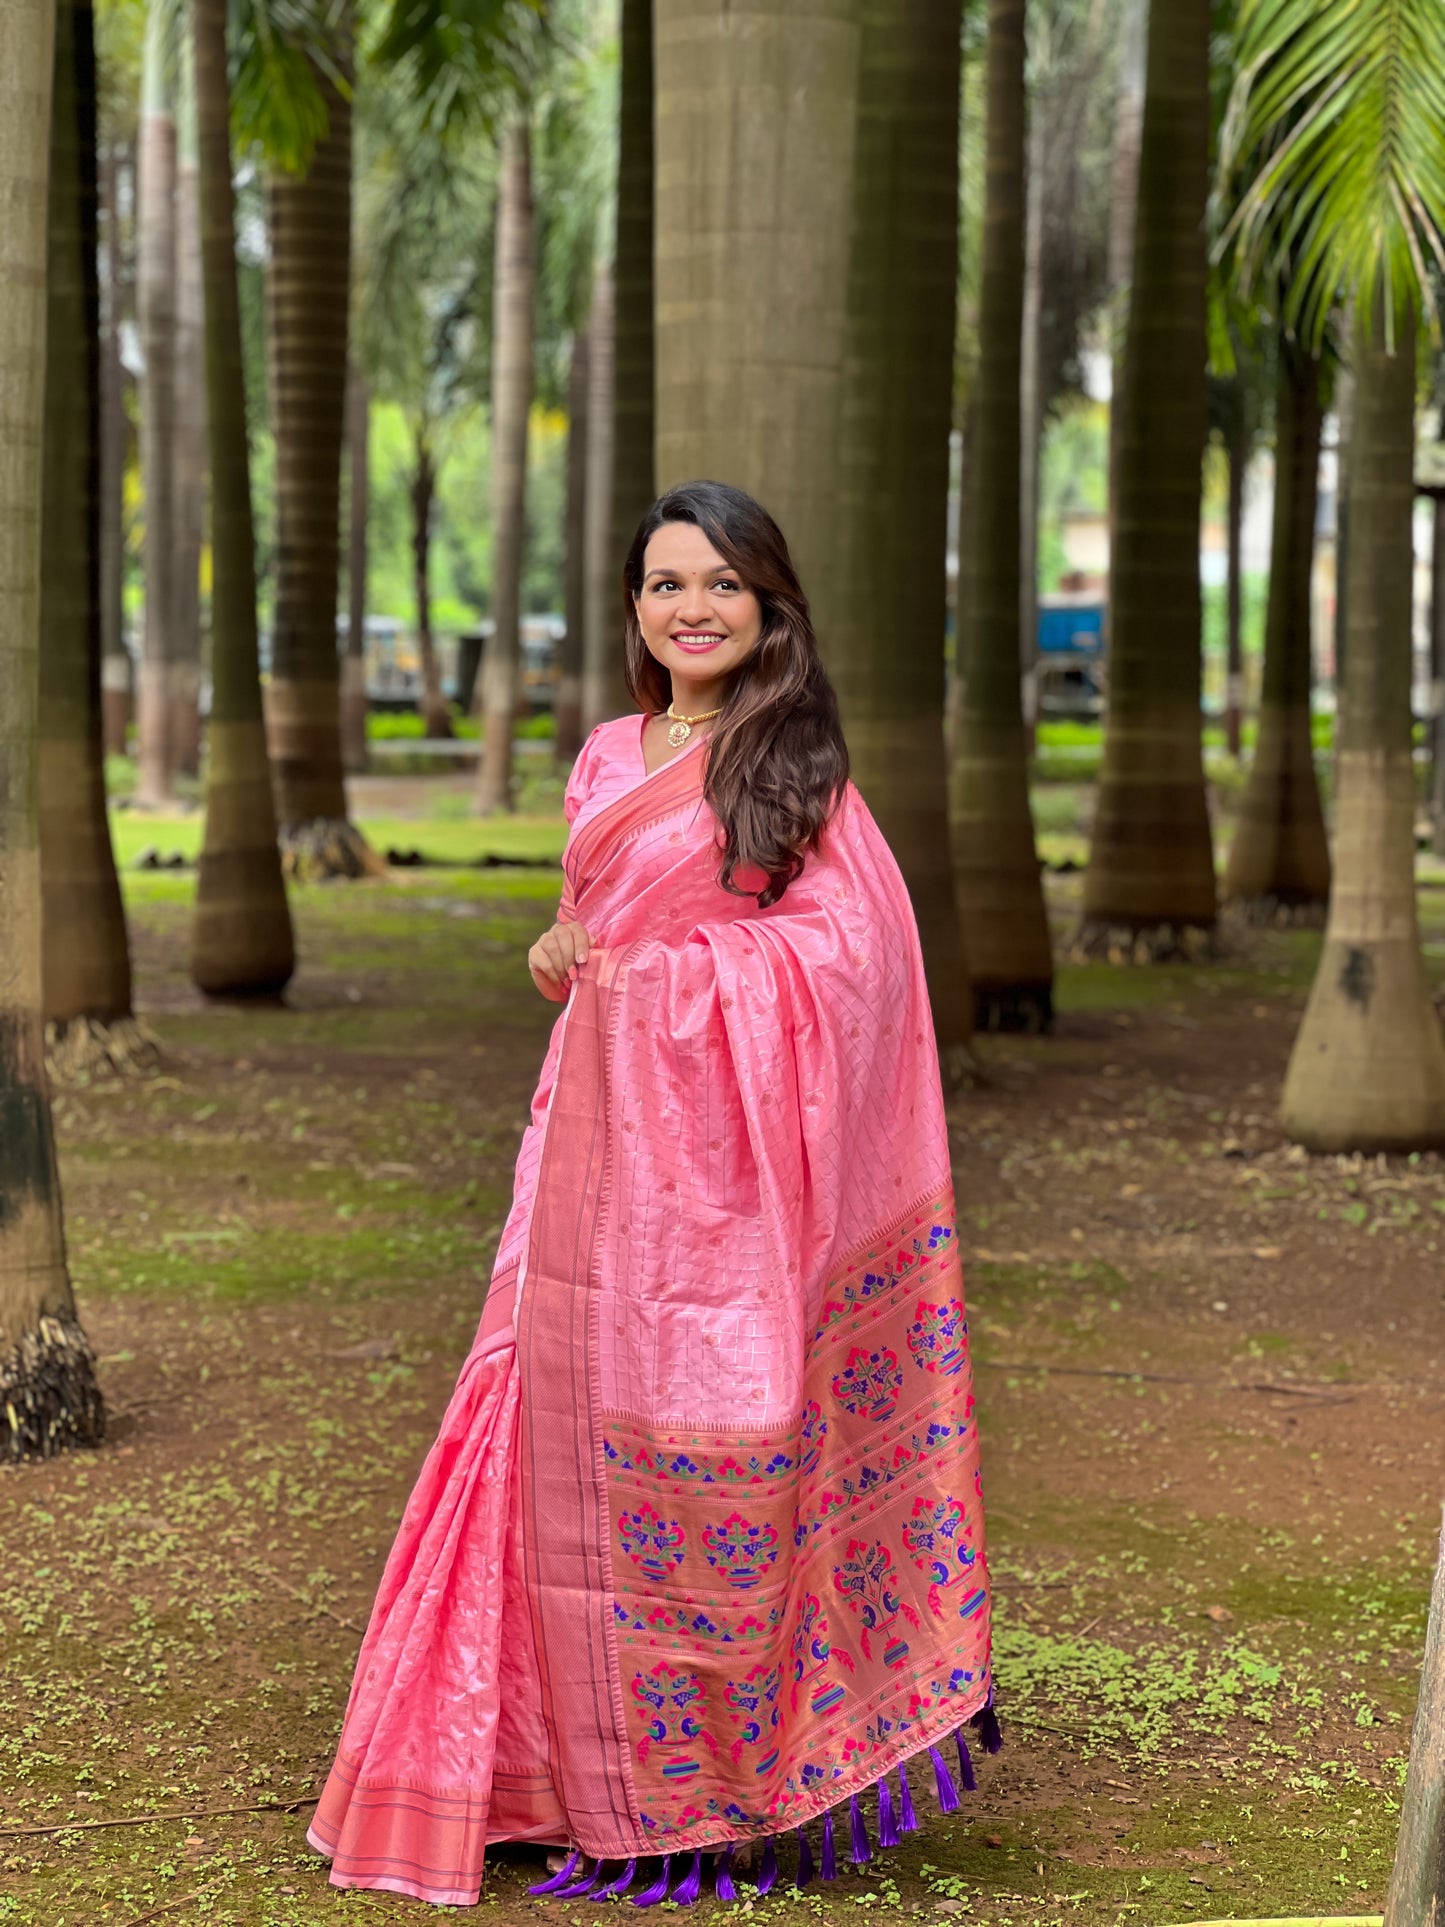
[
  {"x": 830, "y": 1860},
  {"x": 620, "y": 1884},
  {"x": 965, "y": 1764},
  {"x": 723, "y": 1880},
  {"x": 907, "y": 1818},
  {"x": 943, "y": 1781},
  {"x": 768, "y": 1871},
  {"x": 805, "y": 1860},
  {"x": 561, "y": 1877},
  {"x": 862, "y": 1853},
  {"x": 888, "y": 1834},
  {"x": 690, "y": 1886},
  {"x": 582, "y": 1886},
  {"x": 988, "y": 1729},
  {"x": 658, "y": 1890}
]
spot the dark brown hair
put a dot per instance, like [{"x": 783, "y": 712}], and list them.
[{"x": 776, "y": 759}]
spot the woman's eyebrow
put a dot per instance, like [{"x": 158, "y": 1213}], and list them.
[{"x": 723, "y": 568}]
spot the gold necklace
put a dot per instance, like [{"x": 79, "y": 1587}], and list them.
[{"x": 681, "y": 727}]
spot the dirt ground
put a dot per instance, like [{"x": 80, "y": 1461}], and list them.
[{"x": 1209, "y": 1378}]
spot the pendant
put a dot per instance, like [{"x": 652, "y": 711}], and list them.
[{"x": 678, "y": 733}]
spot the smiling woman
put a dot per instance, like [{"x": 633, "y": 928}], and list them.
[{"x": 697, "y": 1560}]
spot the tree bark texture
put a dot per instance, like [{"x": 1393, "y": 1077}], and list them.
[
  {"x": 569, "y": 735},
  {"x": 310, "y": 302},
  {"x": 156, "y": 320},
  {"x": 85, "y": 954},
  {"x": 1367, "y": 1072},
  {"x": 1150, "y": 883},
  {"x": 996, "y": 868},
  {"x": 756, "y": 117},
  {"x": 1279, "y": 861},
  {"x": 190, "y": 456},
  {"x": 436, "y": 717},
  {"x": 604, "y": 692},
  {"x": 48, "y": 1393},
  {"x": 633, "y": 425},
  {"x": 116, "y": 668},
  {"x": 353, "y": 663},
  {"x": 241, "y": 940},
  {"x": 513, "y": 375}
]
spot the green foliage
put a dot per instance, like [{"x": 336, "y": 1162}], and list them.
[{"x": 1333, "y": 131}]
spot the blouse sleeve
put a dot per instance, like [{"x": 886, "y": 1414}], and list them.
[{"x": 580, "y": 779}]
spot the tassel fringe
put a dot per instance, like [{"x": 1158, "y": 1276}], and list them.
[{"x": 894, "y": 1820}]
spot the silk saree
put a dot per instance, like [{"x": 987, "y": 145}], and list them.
[{"x": 697, "y": 1557}]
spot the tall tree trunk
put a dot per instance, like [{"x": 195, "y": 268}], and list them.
[
  {"x": 756, "y": 121},
  {"x": 115, "y": 667},
  {"x": 1367, "y": 1072},
  {"x": 1437, "y": 677},
  {"x": 1150, "y": 887},
  {"x": 86, "y": 987},
  {"x": 996, "y": 867},
  {"x": 513, "y": 375},
  {"x": 310, "y": 300},
  {"x": 241, "y": 941},
  {"x": 190, "y": 457},
  {"x": 436, "y": 717},
  {"x": 156, "y": 318},
  {"x": 882, "y": 601},
  {"x": 632, "y": 426},
  {"x": 604, "y": 692},
  {"x": 49, "y": 1398},
  {"x": 1236, "y": 455},
  {"x": 957, "y": 678},
  {"x": 353, "y": 663},
  {"x": 1124, "y": 218},
  {"x": 1031, "y": 413},
  {"x": 1279, "y": 861},
  {"x": 569, "y": 678}
]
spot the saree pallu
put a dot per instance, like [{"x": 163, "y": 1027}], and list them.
[{"x": 698, "y": 1554}]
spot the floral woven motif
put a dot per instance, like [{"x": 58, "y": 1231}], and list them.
[{"x": 797, "y": 1612}]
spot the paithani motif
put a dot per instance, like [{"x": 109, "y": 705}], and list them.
[{"x": 796, "y": 1611}]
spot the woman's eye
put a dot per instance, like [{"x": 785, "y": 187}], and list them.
[{"x": 726, "y": 583}]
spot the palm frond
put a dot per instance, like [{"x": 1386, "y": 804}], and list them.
[
  {"x": 465, "y": 59},
  {"x": 278, "y": 50},
  {"x": 1333, "y": 162}
]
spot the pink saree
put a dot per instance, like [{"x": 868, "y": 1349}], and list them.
[{"x": 698, "y": 1553}]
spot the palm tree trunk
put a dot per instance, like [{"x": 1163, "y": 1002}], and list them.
[
  {"x": 353, "y": 663},
  {"x": 604, "y": 693},
  {"x": 513, "y": 375},
  {"x": 49, "y": 1398},
  {"x": 310, "y": 297},
  {"x": 1031, "y": 414},
  {"x": 756, "y": 118},
  {"x": 632, "y": 356},
  {"x": 241, "y": 941},
  {"x": 1437, "y": 677},
  {"x": 883, "y": 603},
  {"x": 1236, "y": 455},
  {"x": 956, "y": 680},
  {"x": 156, "y": 318},
  {"x": 996, "y": 867},
  {"x": 569, "y": 678},
  {"x": 1367, "y": 1072},
  {"x": 1124, "y": 216},
  {"x": 436, "y": 717},
  {"x": 1150, "y": 888},
  {"x": 1279, "y": 861},
  {"x": 190, "y": 456},
  {"x": 86, "y": 985},
  {"x": 115, "y": 667}
]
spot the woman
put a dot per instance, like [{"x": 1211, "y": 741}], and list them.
[{"x": 698, "y": 1554}]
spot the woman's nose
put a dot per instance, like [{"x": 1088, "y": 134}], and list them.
[{"x": 696, "y": 605}]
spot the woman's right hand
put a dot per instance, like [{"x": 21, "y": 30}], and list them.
[{"x": 556, "y": 957}]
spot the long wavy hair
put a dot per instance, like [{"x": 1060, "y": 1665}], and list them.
[{"x": 776, "y": 758}]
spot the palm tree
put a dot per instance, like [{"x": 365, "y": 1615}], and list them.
[
  {"x": 604, "y": 691},
  {"x": 49, "y": 1398},
  {"x": 358, "y": 503},
  {"x": 632, "y": 418},
  {"x": 996, "y": 866},
  {"x": 1279, "y": 861},
  {"x": 1341, "y": 99},
  {"x": 569, "y": 668},
  {"x": 310, "y": 290},
  {"x": 1150, "y": 885},
  {"x": 749, "y": 338},
  {"x": 156, "y": 317},
  {"x": 513, "y": 376},
  {"x": 888, "y": 577},
  {"x": 241, "y": 941},
  {"x": 116, "y": 673},
  {"x": 190, "y": 423},
  {"x": 86, "y": 989}
]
